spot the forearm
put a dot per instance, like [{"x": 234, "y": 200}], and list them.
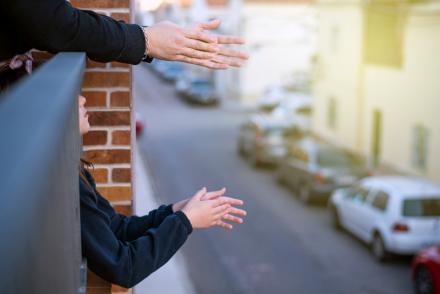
[
  {"x": 54, "y": 26},
  {"x": 179, "y": 205},
  {"x": 132, "y": 227},
  {"x": 128, "y": 263}
]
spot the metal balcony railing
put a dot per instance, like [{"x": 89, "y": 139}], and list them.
[{"x": 40, "y": 241}]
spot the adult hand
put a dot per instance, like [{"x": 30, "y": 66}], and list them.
[{"x": 193, "y": 45}]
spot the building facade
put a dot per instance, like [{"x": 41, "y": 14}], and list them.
[
  {"x": 280, "y": 37},
  {"x": 375, "y": 82}
]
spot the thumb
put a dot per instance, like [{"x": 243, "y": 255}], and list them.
[
  {"x": 210, "y": 25},
  {"x": 200, "y": 194}
]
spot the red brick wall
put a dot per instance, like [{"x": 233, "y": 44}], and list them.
[{"x": 107, "y": 88}]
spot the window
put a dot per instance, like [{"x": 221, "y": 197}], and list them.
[
  {"x": 383, "y": 33},
  {"x": 329, "y": 157},
  {"x": 422, "y": 207},
  {"x": 358, "y": 194},
  {"x": 376, "y": 141},
  {"x": 380, "y": 201},
  {"x": 331, "y": 113},
  {"x": 419, "y": 147},
  {"x": 299, "y": 154},
  {"x": 334, "y": 39}
]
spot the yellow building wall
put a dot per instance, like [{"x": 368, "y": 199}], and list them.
[
  {"x": 408, "y": 96},
  {"x": 337, "y": 71}
]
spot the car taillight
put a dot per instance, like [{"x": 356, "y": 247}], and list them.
[
  {"x": 259, "y": 137},
  {"x": 320, "y": 178},
  {"x": 400, "y": 228}
]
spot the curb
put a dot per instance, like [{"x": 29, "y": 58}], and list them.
[{"x": 173, "y": 277}]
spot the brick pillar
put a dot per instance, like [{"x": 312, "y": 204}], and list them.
[{"x": 107, "y": 88}]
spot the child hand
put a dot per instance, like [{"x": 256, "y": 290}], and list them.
[
  {"x": 205, "y": 213},
  {"x": 232, "y": 211},
  {"x": 232, "y": 214}
]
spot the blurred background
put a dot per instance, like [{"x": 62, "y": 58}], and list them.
[{"x": 330, "y": 134}]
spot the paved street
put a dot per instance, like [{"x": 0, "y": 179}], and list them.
[{"x": 283, "y": 247}]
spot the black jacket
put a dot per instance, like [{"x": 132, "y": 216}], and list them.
[
  {"x": 124, "y": 250},
  {"x": 55, "y": 26}
]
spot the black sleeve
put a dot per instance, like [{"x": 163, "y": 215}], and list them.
[
  {"x": 55, "y": 26},
  {"x": 128, "y": 263},
  {"x": 127, "y": 228}
]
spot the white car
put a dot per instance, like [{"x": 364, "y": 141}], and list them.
[{"x": 394, "y": 214}]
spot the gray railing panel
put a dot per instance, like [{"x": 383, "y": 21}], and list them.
[{"x": 40, "y": 249}]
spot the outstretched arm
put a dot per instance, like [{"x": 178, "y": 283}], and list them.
[
  {"x": 55, "y": 26},
  {"x": 128, "y": 228},
  {"x": 131, "y": 227},
  {"x": 127, "y": 263}
]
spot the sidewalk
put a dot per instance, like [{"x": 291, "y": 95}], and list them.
[{"x": 173, "y": 276}]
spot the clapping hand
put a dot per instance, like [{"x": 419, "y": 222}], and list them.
[{"x": 207, "y": 209}]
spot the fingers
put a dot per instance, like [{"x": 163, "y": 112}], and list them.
[
  {"x": 224, "y": 225},
  {"x": 233, "y": 53},
  {"x": 200, "y": 35},
  {"x": 214, "y": 194},
  {"x": 197, "y": 54},
  {"x": 230, "y": 62},
  {"x": 230, "y": 40},
  {"x": 201, "y": 46},
  {"x": 211, "y": 25},
  {"x": 200, "y": 193},
  {"x": 233, "y": 218},
  {"x": 202, "y": 62},
  {"x": 237, "y": 211},
  {"x": 233, "y": 201},
  {"x": 221, "y": 208}
]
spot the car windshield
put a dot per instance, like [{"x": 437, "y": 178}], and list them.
[
  {"x": 201, "y": 84},
  {"x": 329, "y": 157},
  {"x": 422, "y": 207},
  {"x": 273, "y": 131}
]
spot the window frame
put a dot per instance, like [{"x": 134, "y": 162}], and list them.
[{"x": 375, "y": 194}]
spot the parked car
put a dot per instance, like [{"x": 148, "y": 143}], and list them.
[
  {"x": 271, "y": 98},
  {"x": 168, "y": 70},
  {"x": 172, "y": 71},
  {"x": 313, "y": 169},
  {"x": 200, "y": 91},
  {"x": 262, "y": 139},
  {"x": 426, "y": 271},
  {"x": 394, "y": 214},
  {"x": 139, "y": 124},
  {"x": 296, "y": 109},
  {"x": 159, "y": 66},
  {"x": 182, "y": 84}
]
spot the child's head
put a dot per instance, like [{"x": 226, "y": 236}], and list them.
[{"x": 84, "y": 125}]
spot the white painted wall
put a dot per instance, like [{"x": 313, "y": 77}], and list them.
[
  {"x": 280, "y": 40},
  {"x": 337, "y": 72}
]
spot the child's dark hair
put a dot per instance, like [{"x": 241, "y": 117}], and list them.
[{"x": 83, "y": 166}]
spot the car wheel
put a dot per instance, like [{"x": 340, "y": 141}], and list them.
[
  {"x": 304, "y": 193},
  {"x": 336, "y": 221},
  {"x": 241, "y": 151},
  {"x": 424, "y": 283},
  {"x": 280, "y": 178},
  {"x": 255, "y": 161},
  {"x": 378, "y": 248}
]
